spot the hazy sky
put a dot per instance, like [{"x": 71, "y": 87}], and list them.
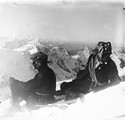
[{"x": 81, "y": 21}]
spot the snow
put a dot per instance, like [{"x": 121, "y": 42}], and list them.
[
  {"x": 16, "y": 64},
  {"x": 104, "y": 105}
]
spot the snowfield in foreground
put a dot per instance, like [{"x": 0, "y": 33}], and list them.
[{"x": 108, "y": 104}]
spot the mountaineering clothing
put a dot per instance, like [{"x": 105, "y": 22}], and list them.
[
  {"x": 100, "y": 73},
  {"x": 40, "y": 89}
]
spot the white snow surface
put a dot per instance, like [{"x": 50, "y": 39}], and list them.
[
  {"x": 104, "y": 105},
  {"x": 16, "y": 64}
]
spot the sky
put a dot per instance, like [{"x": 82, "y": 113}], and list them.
[{"x": 86, "y": 22}]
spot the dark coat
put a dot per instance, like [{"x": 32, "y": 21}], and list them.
[
  {"x": 44, "y": 82},
  {"x": 106, "y": 73}
]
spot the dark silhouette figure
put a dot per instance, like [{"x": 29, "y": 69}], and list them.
[
  {"x": 39, "y": 90},
  {"x": 101, "y": 72}
]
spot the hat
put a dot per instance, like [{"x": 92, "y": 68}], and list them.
[
  {"x": 39, "y": 56},
  {"x": 106, "y": 46}
]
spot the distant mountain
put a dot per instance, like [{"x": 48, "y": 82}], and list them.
[
  {"x": 72, "y": 47},
  {"x": 65, "y": 65}
]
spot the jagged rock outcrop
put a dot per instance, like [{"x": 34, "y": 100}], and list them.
[{"x": 64, "y": 65}]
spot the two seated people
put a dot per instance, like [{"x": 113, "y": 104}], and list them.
[{"x": 100, "y": 73}]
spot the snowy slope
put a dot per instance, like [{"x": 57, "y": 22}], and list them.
[{"x": 104, "y": 105}]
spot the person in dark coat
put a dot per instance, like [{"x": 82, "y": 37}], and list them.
[
  {"x": 40, "y": 89},
  {"x": 101, "y": 72}
]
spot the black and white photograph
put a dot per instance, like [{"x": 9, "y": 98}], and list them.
[{"x": 62, "y": 59}]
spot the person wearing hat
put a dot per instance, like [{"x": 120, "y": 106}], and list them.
[
  {"x": 39, "y": 90},
  {"x": 102, "y": 69},
  {"x": 101, "y": 72}
]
